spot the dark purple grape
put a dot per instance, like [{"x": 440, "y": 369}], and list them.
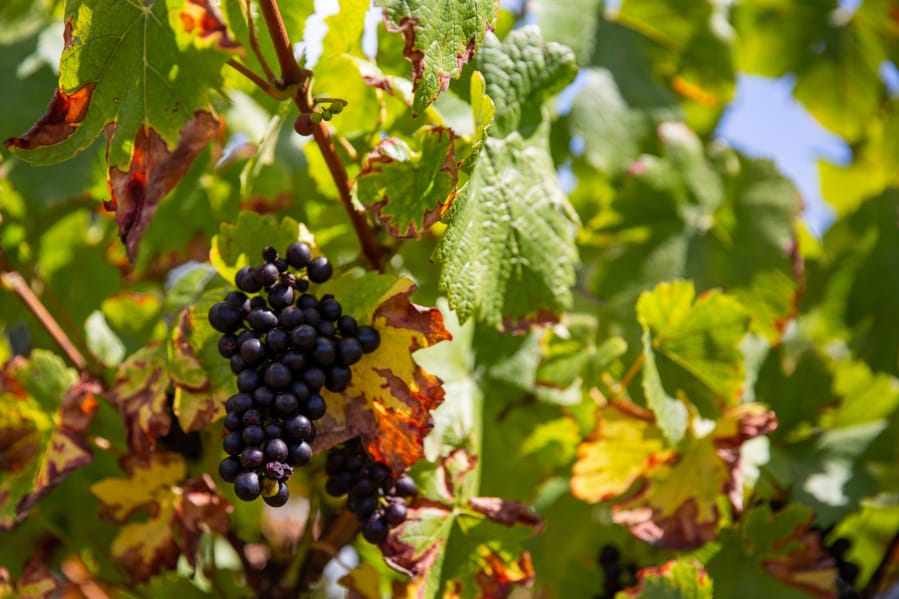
[
  {"x": 353, "y": 462},
  {"x": 263, "y": 396},
  {"x": 294, "y": 360},
  {"x": 311, "y": 317},
  {"x": 298, "y": 254},
  {"x": 273, "y": 431},
  {"x": 347, "y": 325},
  {"x": 303, "y": 337},
  {"x": 362, "y": 505},
  {"x": 279, "y": 498},
  {"x": 252, "y": 418},
  {"x": 337, "y": 378},
  {"x": 405, "y": 486},
  {"x": 244, "y": 336},
  {"x": 334, "y": 488},
  {"x": 314, "y": 407},
  {"x": 258, "y": 303},
  {"x": 319, "y": 269},
  {"x": 229, "y": 468},
  {"x": 280, "y": 296},
  {"x": 286, "y": 403},
  {"x": 239, "y": 403},
  {"x": 375, "y": 531},
  {"x": 363, "y": 487},
  {"x": 233, "y": 422},
  {"x": 314, "y": 378},
  {"x": 299, "y": 454},
  {"x": 312, "y": 434},
  {"x": 281, "y": 265},
  {"x": 277, "y": 340},
  {"x": 245, "y": 279},
  {"x": 330, "y": 309},
  {"x": 267, "y": 274},
  {"x": 252, "y": 351},
  {"x": 236, "y": 298},
  {"x": 227, "y": 345},
  {"x": 247, "y": 486},
  {"x": 307, "y": 300},
  {"x": 349, "y": 351},
  {"x": 326, "y": 329},
  {"x": 233, "y": 443},
  {"x": 248, "y": 380},
  {"x": 300, "y": 390},
  {"x": 324, "y": 351},
  {"x": 395, "y": 513},
  {"x": 275, "y": 450},
  {"x": 253, "y": 435},
  {"x": 298, "y": 427},
  {"x": 334, "y": 462},
  {"x": 237, "y": 364},
  {"x": 301, "y": 285},
  {"x": 379, "y": 472},
  {"x": 225, "y": 318},
  {"x": 269, "y": 254},
  {"x": 368, "y": 338},
  {"x": 262, "y": 320},
  {"x": 291, "y": 317},
  {"x": 277, "y": 471},
  {"x": 251, "y": 458},
  {"x": 278, "y": 376}
]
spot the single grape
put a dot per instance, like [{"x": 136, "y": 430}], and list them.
[
  {"x": 233, "y": 443},
  {"x": 334, "y": 488},
  {"x": 353, "y": 462},
  {"x": 336, "y": 107},
  {"x": 294, "y": 360},
  {"x": 363, "y": 506},
  {"x": 291, "y": 317},
  {"x": 248, "y": 380},
  {"x": 236, "y": 298},
  {"x": 334, "y": 462},
  {"x": 244, "y": 336},
  {"x": 298, "y": 254},
  {"x": 277, "y": 340},
  {"x": 307, "y": 300},
  {"x": 319, "y": 269},
  {"x": 297, "y": 427},
  {"x": 330, "y": 309},
  {"x": 311, "y": 316},
  {"x": 303, "y": 125},
  {"x": 224, "y": 317},
  {"x": 375, "y": 531},
  {"x": 278, "y": 376},
  {"x": 314, "y": 378},
  {"x": 247, "y": 486},
  {"x": 269, "y": 254},
  {"x": 239, "y": 403},
  {"x": 286, "y": 403},
  {"x": 263, "y": 396},
  {"x": 378, "y": 472},
  {"x": 252, "y": 351},
  {"x": 315, "y": 117},
  {"x": 229, "y": 468},
  {"x": 326, "y": 114},
  {"x": 347, "y": 326},
  {"x": 301, "y": 285},
  {"x": 395, "y": 512},
  {"x": 326, "y": 329},
  {"x": 279, "y": 498},
  {"x": 280, "y": 296},
  {"x": 363, "y": 487},
  {"x": 251, "y": 458},
  {"x": 349, "y": 351},
  {"x": 267, "y": 274},
  {"x": 227, "y": 345},
  {"x": 245, "y": 279},
  {"x": 233, "y": 422},
  {"x": 252, "y": 418},
  {"x": 337, "y": 378},
  {"x": 315, "y": 407},
  {"x": 262, "y": 320},
  {"x": 405, "y": 486},
  {"x": 273, "y": 431},
  {"x": 299, "y": 454},
  {"x": 300, "y": 390},
  {"x": 303, "y": 337},
  {"x": 324, "y": 351},
  {"x": 275, "y": 450},
  {"x": 281, "y": 265},
  {"x": 369, "y": 338},
  {"x": 253, "y": 435}
]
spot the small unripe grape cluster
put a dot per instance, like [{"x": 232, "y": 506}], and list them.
[
  {"x": 285, "y": 345},
  {"x": 305, "y": 123},
  {"x": 375, "y": 497}
]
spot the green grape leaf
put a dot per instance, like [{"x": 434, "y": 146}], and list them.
[
  {"x": 774, "y": 555},
  {"x": 677, "y": 494},
  {"x": 720, "y": 221},
  {"x": 139, "y": 393},
  {"x": 522, "y": 72},
  {"x": 407, "y": 189},
  {"x": 177, "y": 509},
  {"x": 487, "y": 530},
  {"x": 693, "y": 348},
  {"x": 43, "y": 430},
  {"x": 676, "y": 579},
  {"x": 142, "y": 74},
  {"x": 508, "y": 251},
  {"x": 440, "y": 38},
  {"x": 571, "y": 23}
]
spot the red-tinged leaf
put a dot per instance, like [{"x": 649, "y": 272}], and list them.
[
  {"x": 409, "y": 190},
  {"x": 64, "y": 113},
  {"x": 681, "y": 579},
  {"x": 153, "y": 172},
  {"x": 197, "y": 402},
  {"x": 389, "y": 400},
  {"x": 139, "y": 392},
  {"x": 506, "y": 512},
  {"x": 42, "y": 430},
  {"x": 38, "y": 581},
  {"x": 499, "y": 577},
  {"x": 201, "y": 18},
  {"x": 176, "y": 508}
]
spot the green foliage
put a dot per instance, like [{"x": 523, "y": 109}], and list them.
[{"x": 612, "y": 358}]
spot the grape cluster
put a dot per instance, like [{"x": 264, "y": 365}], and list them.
[
  {"x": 617, "y": 574},
  {"x": 285, "y": 345},
  {"x": 375, "y": 497}
]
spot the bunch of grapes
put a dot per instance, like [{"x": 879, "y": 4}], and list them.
[
  {"x": 374, "y": 496},
  {"x": 285, "y": 345},
  {"x": 617, "y": 574}
]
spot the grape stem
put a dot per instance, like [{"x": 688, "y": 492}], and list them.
[
  {"x": 16, "y": 283},
  {"x": 293, "y": 75}
]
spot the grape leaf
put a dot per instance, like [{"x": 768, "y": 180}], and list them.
[
  {"x": 139, "y": 393},
  {"x": 177, "y": 509},
  {"x": 675, "y": 503},
  {"x": 508, "y": 251},
  {"x": 486, "y": 530},
  {"x": 407, "y": 189},
  {"x": 676, "y": 579},
  {"x": 522, "y": 72},
  {"x": 43, "y": 430},
  {"x": 440, "y": 38},
  {"x": 390, "y": 397},
  {"x": 177, "y": 49},
  {"x": 693, "y": 349},
  {"x": 775, "y": 556}
]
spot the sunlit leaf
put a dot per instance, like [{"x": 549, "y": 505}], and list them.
[
  {"x": 672, "y": 580},
  {"x": 139, "y": 393}
]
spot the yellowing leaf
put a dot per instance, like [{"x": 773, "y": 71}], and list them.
[
  {"x": 679, "y": 579},
  {"x": 139, "y": 393},
  {"x": 625, "y": 446}
]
